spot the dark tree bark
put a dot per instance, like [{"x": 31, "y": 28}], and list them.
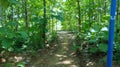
[
  {"x": 79, "y": 16},
  {"x": 12, "y": 16},
  {"x": 105, "y": 7},
  {"x": 0, "y": 14},
  {"x": 26, "y": 14},
  {"x": 16, "y": 29},
  {"x": 118, "y": 10},
  {"x": 89, "y": 13},
  {"x": 45, "y": 21},
  {"x": 12, "y": 13}
]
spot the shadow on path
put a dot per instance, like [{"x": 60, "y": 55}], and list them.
[{"x": 60, "y": 56}]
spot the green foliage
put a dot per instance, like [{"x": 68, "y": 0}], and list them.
[
  {"x": 21, "y": 64},
  {"x": 13, "y": 1},
  {"x": 116, "y": 54},
  {"x": 6, "y": 3},
  {"x": 52, "y": 36},
  {"x": 93, "y": 50},
  {"x": 100, "y": 44},
  {"x": 12, "y": 41},
  {"x": 76, "y": 47},
  {"x": 94, "y": 21},
  {"x": 8, "y": 64},
  {"x": 102, "y": 47}
]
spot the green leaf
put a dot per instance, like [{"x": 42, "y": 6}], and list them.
[
  {"x": 13, "y": 1},
  {"x": 118, "y": 61},
  {"x": 75, "y": 47},
  {"x": 96, "y": 27},
  {"x": 21, "y": 64},
  {"x": 93, "y": 49},
  {"x": 4, "y": 3},
  {"x": 93, "y": 41},
  {"x": 117, "y": 47},
  {"x": 3, "y": 30},
  {"x": 23, "y": 34},
  {"x": 8, "y": 65},
  {"x": 10, "y": 49},
  {"x": 102, "y": 47},
  {"x": 6, "y": 43},
  {"x": 10, "y": 35}
]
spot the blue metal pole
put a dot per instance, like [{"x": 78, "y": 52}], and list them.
[{"x": 111, "y": 33}]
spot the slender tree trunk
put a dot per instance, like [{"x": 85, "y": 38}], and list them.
[
  {"x": 17, "y": 19},
  {"x": 0, "y": 14},
  {"x": 26, "y": 14},
  {"x": 12, "y": 13},
  {"x": 45, "y": 21},
  {"x": 93, "y": 16},
  {"x": 117, "y": 17},
  {"x": 105, "y": 7},
  {"x": 99, "y": 13},
  {"x": 89, "y": 13},
  {"x": 52, "y": 25},
  {"x": 118, "y": 10},
  {"x": 79, "y": 16},
  {"x": 52, "y": 20},
  {"x": 12, "y": 17}
]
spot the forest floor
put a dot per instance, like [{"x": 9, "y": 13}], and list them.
[{"x": 61, "y": 55}]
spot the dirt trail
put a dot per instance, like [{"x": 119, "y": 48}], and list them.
[{"x": 60, "y": 56}]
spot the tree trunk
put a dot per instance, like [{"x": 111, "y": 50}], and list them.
[
  {"x": 12, "y": 17},
  {"x": 16, "y": 29},
  {"x": 79, "y": 16},
  {"x": 105, "y": 7},
  {"x": 26, "y": 14},
  {"x": 118, "y": 10},
  {"x": 45, "y": 21},
  {"x": 0, "y": 14}
]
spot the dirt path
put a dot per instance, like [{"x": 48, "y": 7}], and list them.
[{"x": 60, "y": 56}]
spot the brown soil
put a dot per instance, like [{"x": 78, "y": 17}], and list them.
[{"x": 61, "y": 55}]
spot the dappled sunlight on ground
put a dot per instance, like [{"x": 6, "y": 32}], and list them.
[
  {"x": 65, "y": 62},
  {"x": 90, "y": 64},
  {"x": 59, "y": 56},
  {"x": 64, "y": 43},
  {"x": 14, "y": 59}
]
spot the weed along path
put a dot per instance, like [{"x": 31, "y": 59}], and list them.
[{"x": 61, "y": 55}]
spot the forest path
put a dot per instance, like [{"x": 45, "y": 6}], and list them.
[{"x": 61, "y": 55}]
